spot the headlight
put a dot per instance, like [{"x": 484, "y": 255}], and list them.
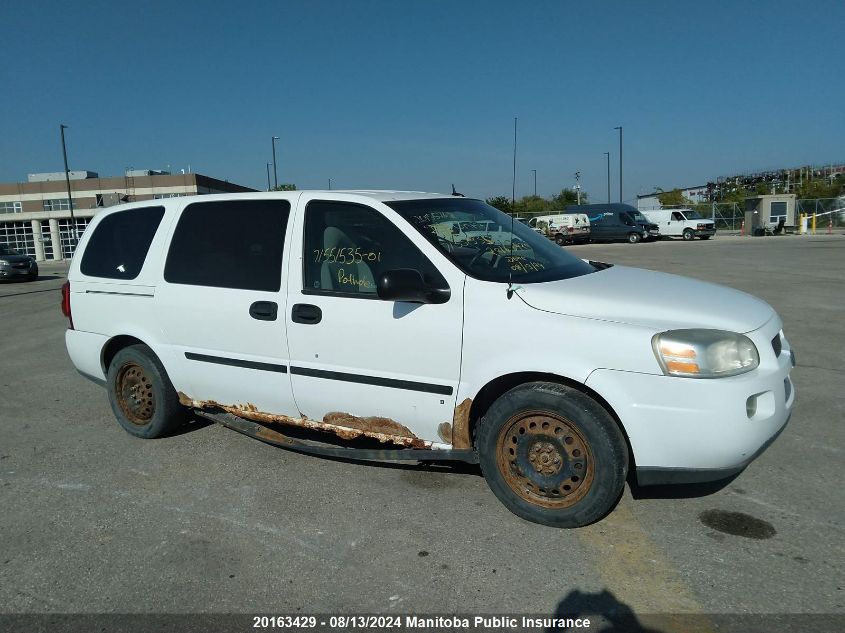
[
  {"x": 704, "y": 353},
  {"x": 4, "y": 263}
]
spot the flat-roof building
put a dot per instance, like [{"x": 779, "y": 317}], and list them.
[{"x": 35, "y": 215}]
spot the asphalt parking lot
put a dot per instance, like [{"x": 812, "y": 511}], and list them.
[{"x": 94, "y": 520}]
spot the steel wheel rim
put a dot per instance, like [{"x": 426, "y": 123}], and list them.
[
  {"x": 135, "y": 394},
  {"x": 544, "y": 459}
]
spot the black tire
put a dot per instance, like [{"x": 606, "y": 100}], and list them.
[
  {"x": 689, "y": 235},
  {"x": 560, "y": 240},
  {"x": 141, "y": 395},
  {"x": 552, "y": 455},
  {"x": 706, "y": 237},
  {"x": 633, "y": 238}
]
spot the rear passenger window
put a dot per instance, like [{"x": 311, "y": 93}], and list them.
[
  {"x": 120, "y": 243},
  {"x": 348, "y": 247},
  {"x": 229, "y": 244}
]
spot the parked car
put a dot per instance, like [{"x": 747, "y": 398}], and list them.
[
  {"x": 14, "y": 265},
  {"x": 685, "y": 223},
  {"x": 347, "y": 317},
  {"x": 616, "y": 221},
  {"x": 563, "y": 228}
]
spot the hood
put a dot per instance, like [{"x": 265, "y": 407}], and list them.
[
  {"x": 14, "y": 259},
  {"x": 650, "y": 299}
]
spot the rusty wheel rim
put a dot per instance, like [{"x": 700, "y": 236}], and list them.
[
  {"x": 545, "y": 459},
  {"x": 135, "y": 394}
]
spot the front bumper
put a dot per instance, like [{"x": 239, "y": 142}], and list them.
[
  {"x": 700, "y": 232},
  {"x": 18, "y": 273},
  {"x": 684, "y": 430}
]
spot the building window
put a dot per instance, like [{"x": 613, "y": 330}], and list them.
[
  {"x": 19, "y": 236},
  {"x": 163, "y": 196},
  {"x": 777, "y": 210},
  {"x": 57, "y": 204},
  {"x": 67, "y": 236},
  {"x": 10, "y": 207}
]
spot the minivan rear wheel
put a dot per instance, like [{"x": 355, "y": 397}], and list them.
[
  {"x": 552, "y": 455},
  {"x": 141, "y": 395}
]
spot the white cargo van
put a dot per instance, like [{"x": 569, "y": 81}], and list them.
[
  {"x": 563, "y": 228},
  {"x": 684, "y": 223},
  {"x": 344, "y": 323}
]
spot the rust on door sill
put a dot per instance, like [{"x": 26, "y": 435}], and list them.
[
  {"x": 344, "y": 425},
  {"x": 460, "y": 425},
  {"x": 445, "y": 432}
]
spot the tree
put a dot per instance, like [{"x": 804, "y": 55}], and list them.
[
  {"x": 567, "y": 197},
  {"x": 672, "y": 198},
  {"x": 285, "y": 187},
  {"x": 502, "y": 203}
]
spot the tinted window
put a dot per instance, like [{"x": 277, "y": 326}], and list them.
[
  {"x": 349, "y": 246},
  {"x": 120, "y": 243},
  {"x": 229, "y": 244}
]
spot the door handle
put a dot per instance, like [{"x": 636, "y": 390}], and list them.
[
  {"x": 306, "y": 314},
  {"x": 264, "y": 310}
]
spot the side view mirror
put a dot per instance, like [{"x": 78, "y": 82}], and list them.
[{"x": 406, "y": 284}]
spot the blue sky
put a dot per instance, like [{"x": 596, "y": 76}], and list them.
[{"x": 420, "y": 95}]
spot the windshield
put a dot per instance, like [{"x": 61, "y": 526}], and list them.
[
  {"x": 491, "y": 252},
  {"x": 639, "y": 218},
  {"x": 693, "y": 215},
  {"x": 7, "y": 250}
]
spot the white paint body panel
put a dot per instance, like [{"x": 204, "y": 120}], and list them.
[{"x": 608, "y": 317}]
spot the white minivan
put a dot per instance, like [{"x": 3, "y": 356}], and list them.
[{"x": 345, "y": 323}]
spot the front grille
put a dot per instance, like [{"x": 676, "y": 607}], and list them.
[
  {"x": 20, "y": 265},
  {"x": 777, "y": 345}
]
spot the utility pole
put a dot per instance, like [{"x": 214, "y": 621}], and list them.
[
  {"x": 620, "y": 161},
  {"x": 535, "y": 182},
  {"x": 275, "y": 172},
  {"x": 268, "y": 176},
  {"x": 578, "y": 187},
  {"x": 608, "y": 176},
  {"x": 69, "y": 196},
  {"x": 513, "y": 189},
  {"x": 330, "y": 184}
]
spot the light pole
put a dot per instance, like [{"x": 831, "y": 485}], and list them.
[
  {"x": 69, "y": 196},
  {"x": 275, "y": 173},
  {"x": 268, "y": 176},
  {"x": 330, "y": 184},
  {"x": 535, "y": 182},
  {"x": 513, "y": 189},
  {"x": 608, "y": 176},
  {"x": 620, "y": 161}
]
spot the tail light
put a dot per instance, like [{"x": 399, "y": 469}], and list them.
[{"x": 66, "y": 303}]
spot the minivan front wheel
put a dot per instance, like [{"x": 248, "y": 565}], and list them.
[
  {"x": 552, "y": 455},
  {"x": 634, "y": 237},
  {"x": 689, "y": 235},
  {"x": 141, "y": 395}
]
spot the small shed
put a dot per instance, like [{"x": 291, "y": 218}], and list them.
[{"x": 768, "y": 210}]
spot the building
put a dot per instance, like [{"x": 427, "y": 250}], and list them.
[
  {"x": 35, "y": 215},
  {"x": 650, "y": 202}
]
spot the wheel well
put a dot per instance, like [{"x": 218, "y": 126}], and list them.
[
  {"x": 113, "y": 346},
  {"x": 499, "y": 386}
]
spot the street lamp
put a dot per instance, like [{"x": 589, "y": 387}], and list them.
[
  {"x": 608, "y": 176},
  {"x": 535, "y": 182},
  {"x": 275, "y": 173},
  {"x": 330, "y": 184},
  {"x": 69, "y": 196},
  {"x": 620, "y": 161},
  {"x": 268, "y": 176}
]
